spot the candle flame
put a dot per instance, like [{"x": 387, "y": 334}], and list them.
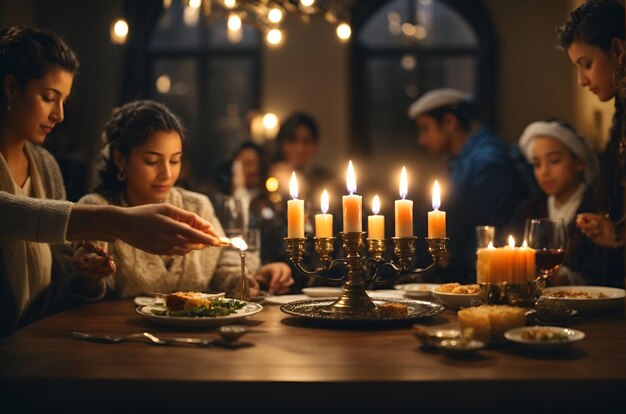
[
  {"x": 376, "y": 204},
  {"x": 293, "y": 186},
  {"x": 436, "y": 196},
  {"x": 239, "y": 243},
  {"x": 404, "y": 185},
  {"x": 351, "y": 179},
  {"x": 324, "y": 203},
  {"x": 511, "y": 242},
  {"x": 524, "y": 245},
  {"x": 490, "y": 245}
]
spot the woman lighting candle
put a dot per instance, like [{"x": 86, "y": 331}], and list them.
[
  {"x": 295, "y": 211},
  {"x": 324, "y": 221},
  {"x": 376, "y": 222},
  {"x": 404, "y": 209},
  {"x": 436, "y": 218},
  {"x": 352, "y": 205}
]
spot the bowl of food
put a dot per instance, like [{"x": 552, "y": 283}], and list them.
[
  {"x": 587, "y": 300},
  {"x": 417, "y": 290},
  {"x": 456, "y": 296}
]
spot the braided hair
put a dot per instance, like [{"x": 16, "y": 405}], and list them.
[{"x": 131, "y": 125}]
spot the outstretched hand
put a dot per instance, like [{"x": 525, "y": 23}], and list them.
[
  {"x": 276, "y": 276},
  {"x": 599, "y": 228}
]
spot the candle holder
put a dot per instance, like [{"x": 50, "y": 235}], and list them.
[
  {"x": 357, "y": 270},
  {"x": 514, "y": 294}
]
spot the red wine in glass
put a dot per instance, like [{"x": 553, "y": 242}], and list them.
[{"x": 549, "y": 259}]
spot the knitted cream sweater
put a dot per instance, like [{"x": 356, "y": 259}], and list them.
[{"x": 209, "y": 269}]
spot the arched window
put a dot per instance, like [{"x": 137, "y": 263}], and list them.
[
  {"x": 206, "y": 76},
  {"x": 404, "y": 48}
]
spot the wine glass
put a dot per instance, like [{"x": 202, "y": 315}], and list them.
[
  {"x": 549, "y": 239},
  {"x": 232, "y": 217}
]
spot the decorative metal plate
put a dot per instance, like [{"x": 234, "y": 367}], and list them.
[{"x": 312, "y": 309}]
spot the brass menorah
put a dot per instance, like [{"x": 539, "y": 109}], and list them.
[{"x": 357, "y": 270}]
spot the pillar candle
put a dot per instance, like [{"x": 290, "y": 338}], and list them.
[
  {"x": 436, "y": 218},
  {"x": 404, "y": 210},
  {"x": 376, "y": 222},
  {"x": 295, "y": 211},
  {"x": 352, "y": 205},
  {"x": 324, "y": 221}
]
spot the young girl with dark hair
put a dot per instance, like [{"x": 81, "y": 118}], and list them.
[
  {"x": 142, "y": 162},
  {"x": 593, "y": 37}
]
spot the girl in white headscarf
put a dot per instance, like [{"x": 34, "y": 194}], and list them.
[{"x": 565, "y": 168}]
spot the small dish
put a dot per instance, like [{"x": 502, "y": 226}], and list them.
[
  {"x": 322, "y": 292},
  {"x": 460, "y": 347},
  {"x": 260, "y": 298},
  {"x": 430, "y": 337},
  {"x": 185, "y": 321},
  {"x": 417, "y": 290},
  {"x": 456, "y": 301},
  {"x": 544, "y": 338},
  {"x": 600, "y": 299}
]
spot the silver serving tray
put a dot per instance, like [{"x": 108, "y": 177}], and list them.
[{"x": 312, "y": 310}]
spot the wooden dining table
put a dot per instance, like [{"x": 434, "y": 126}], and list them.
[{"x": 297, "y": 366}]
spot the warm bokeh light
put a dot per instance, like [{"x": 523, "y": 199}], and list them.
[
  {"x": 275, "y": 15},
  {"x": 195, "y": 4},
  {"x": 119, "y": 31},
  {"x": 163, "y": 84},
  {"x": 271, "y": 184},
  {"x": 229, "y": 4},
  {"x": 307, "y": 3},
  {"x": 234, "y": 22},
  {"x": 376, "y": 205},
  {"x": 270, "y": 121},
  {"x": 324, "y": 202},
  {"x": 344, "y": 31},
  {"x": 436, "y": 196},
  {"x": 293, "y": 186},
  {"x": 351, "y": 179},
  {"x": 274, "y": 37},
  {"x": 404, "y": 184}
]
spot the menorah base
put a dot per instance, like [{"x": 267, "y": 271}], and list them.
[{"x": 353, "y": 300}]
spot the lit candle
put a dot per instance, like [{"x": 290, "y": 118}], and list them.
[
  {"x": 404, "y": 210},
  {"x": 352, "y": 205},
  {"x": 436, "y": 218},
  {"x": 295, "y": 211},
  {"x": 324, "y": 221},
  {"x": 483, "y": 264},
  {"x": 529, "y": 256},
  {"x": 376, "y": 222}
]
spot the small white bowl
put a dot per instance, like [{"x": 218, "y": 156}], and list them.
[
  {"x": 417, "y": 290},
  {"x": 613, "y": 300},
  {"x": 456, "y": 301},
  {"x": 518, "y": 336}
]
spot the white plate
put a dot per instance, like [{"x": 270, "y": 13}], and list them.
[
  {"x": 597, "y": 306},
  {"x": 417, "y": 290},
  {"x": 517, "y": 335},
  {"x": 248, "y": 310},
  {"x": 282, "y": 299},
  {"x": 156, "y": 300},
  {"x": 385, "y": 293},
  {"x": 322, "y": 292},
  {"x": 456, "y": 301}
]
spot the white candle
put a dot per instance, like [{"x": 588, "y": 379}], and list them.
[
  {"x": 376, "y": 222},
  {"x": 324, "y": 221},
  {"x": 295, "y": 211},
  {"x": 404, "y": 209},
  {"x": 352, "y": 205},
  {"x": 436, "y": 218}
]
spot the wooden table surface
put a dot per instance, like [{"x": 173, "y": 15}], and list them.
[{"x": 301, "y": 367}]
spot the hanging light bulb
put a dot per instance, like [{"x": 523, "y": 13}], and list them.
[
  {"x": 119, "y": 32},
  {"x": 274, "y": 37},
  {"x": 234, "y": 22},
  {"x": 275, "y": 15},
  {"x": 344, "y": 31}
]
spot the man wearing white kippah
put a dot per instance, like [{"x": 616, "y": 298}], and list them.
[{"x": 488, "y": 177}]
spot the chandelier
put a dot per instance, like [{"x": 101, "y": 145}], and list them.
[{"x": 268, "y": 15}]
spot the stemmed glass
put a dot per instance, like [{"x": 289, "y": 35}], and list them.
[
  {"x": 549, "y": 239},
  {"x": 232, "y": 217}
]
